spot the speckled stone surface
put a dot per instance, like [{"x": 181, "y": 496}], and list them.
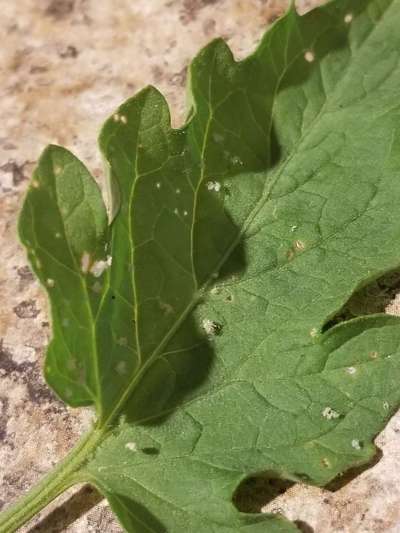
[{"x": 64, "y": 66}]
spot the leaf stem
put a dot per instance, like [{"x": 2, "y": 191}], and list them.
[{"x": 62, "y": 477}]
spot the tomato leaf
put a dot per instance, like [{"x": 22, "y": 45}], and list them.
[{"x": 197, "y": 322}]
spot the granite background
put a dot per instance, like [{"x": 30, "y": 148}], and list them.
[{"x": 64, "y": 66}]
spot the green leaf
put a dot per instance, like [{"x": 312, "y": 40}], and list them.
[{"x": 204, "y": 346}]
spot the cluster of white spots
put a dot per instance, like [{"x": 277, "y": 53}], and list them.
[
  {"x": 122, "y": 341},
  {"x": 178, "y": 191},
  {"x": 330, "y": 413},
  {"x": 97, "y": 287},
  {"x": 309, "y": 56},
  {"x": 210, "y": 327},
  {"x": 100, "y": 266},
  {"x": 236, "y": 160},
  {"x": 132, "y": 446},
  {"x": 158, "y": 185},
  {"x": 213, "y": 186},
  {"x": 299, "y": 245},
  {"x": 57, "y": 235},
  {"x": 355, "y": 443},
  {"x": 351, "y": 370},
  {"x": 348, "y": 18},
  {"x": 35, "y": 184},
  {"x": 325, "y": 462},
  {"x": 314, "y": 332},
  {"x": 120, "y": 118},
  {"x": 386, "y": 406},
  {"x": 185, "y": 213},
  {"x": 121, "y": 368},
  {"x": 215, "y": 290},
  {"x": 85, "y": 262},
  {"x": 50, "y": 282}
]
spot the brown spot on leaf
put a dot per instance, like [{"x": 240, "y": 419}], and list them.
[{"x": 26, "y": 309}]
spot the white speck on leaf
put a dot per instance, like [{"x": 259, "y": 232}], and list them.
[
  {"x": 309, "y": 56},
  {"x": 351, "y": 370},
  {"x": 96, "y": 287},
  {"x": 122, "y": 341},
  {"x": 185, "y": 213},
  {"x": 386, "y": 405},
  {"x": 99, "y": 267},
  {"x": 35, "y": 184},
  {"x": 121, "y": 368},
  {"x": 299, "y": 245},
  {"x": 348, "y": 18},
  {"x": 85, "y": 262},
  {"x": 218, "y": 138},
  {"x": 314, "y": 332},
  {"x": 178, "y": 191},
  {"x": 355, "y": 443},
  {"x": 58, "y": 235},
  {"x": 176, "y": 212},
  {"x": 50, "y": 282},
  {"x": 158, "y": 185},
  {"x": 123, "y": 119},
  {"x": 132, "y": 446},
  {"x": 236, "y": 160},
  {"x": 330, "y": 413},
  {"x": 116, "y": 117},
  {"x": 293, "y": 228}
]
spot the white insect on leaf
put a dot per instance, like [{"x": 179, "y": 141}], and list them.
[
  {"x": 213, "y": 186},
  {"x": 100, "y": 266},
  {"x": 330, "y": 413},
  {"x": 210, "y": 327}
]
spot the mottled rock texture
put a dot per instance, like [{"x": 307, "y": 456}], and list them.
[{"x": 64, "y": 66}]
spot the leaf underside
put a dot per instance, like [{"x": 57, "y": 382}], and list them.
[{"x": 235, "y": 239}]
